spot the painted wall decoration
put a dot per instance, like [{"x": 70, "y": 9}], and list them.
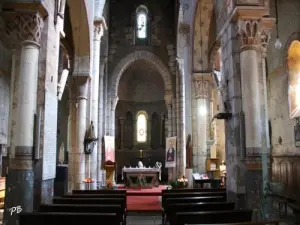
[
  {"x": 109, "y": 145},
  {"x": 171, "y": 152},
  {"x": 293, "y": 62}
]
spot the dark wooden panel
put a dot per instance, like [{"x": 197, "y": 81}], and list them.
[{"x": 286, "y": 170}]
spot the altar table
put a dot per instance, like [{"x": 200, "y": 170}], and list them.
[{"x": 153, "y": 173}]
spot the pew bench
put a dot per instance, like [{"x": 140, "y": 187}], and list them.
[
  {"x": 181, "y": 190},
  {"x": 247, "y": 223},
  {"x": 99, "y": 191},
  {"x": 85, "y": 209},
  {"x": 172, "y": 209},
  {"x": 169, "y": 201},
  {"x": 63, "y": 218},
  {"x": 212, "y": 217}
]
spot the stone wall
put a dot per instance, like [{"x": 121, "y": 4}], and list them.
[
  {"x": 281, "y": 125},
  {"x": 121, "y": 31}
]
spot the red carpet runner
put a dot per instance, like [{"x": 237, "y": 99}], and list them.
[{"x": 143, "y": 200}]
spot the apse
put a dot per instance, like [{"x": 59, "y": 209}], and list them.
[{"x": 140, "y": 115}]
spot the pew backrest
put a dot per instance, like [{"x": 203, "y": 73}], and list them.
[
  {"x": 200, "y": 206},
  {"x": 247, "y": 223},
  {"x": 38, "y": 218},
  {"x": 193, "y": 200},
  {"x": 99, "y": 191},
  {"x": 212, "y": 217},
  {"x": 193, "y": 190}
]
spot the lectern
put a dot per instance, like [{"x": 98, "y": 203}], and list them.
[{"x": 110, "y": 168}]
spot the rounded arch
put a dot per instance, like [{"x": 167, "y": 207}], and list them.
[
  {"x": 142, "y": 8},
  {"x": 130, "y": 59},
  {"x": 142, "y": 112},
  {"x": 80, "y": 27}
]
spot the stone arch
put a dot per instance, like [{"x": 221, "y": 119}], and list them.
[
  {"x": 80, "y": 27},
  {"x": 204, "y": 14},
  {"x": 130, "y": 59}
]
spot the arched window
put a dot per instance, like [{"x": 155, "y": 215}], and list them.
[
  {"x": 141, "y": 127},
  {"x": 141, "y": 25},
  {"x": 293, "y": 61}
]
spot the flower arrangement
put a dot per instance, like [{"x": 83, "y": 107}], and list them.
[
  {"x": 109, "y": 184},
  {"x": 89, "y": 180},
  {"x": 180, "y": 182}
]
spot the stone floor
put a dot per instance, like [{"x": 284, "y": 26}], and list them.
[{"x": 144, "y": 219}]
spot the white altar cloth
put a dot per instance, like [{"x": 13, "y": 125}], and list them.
[{"x": 142, "y": 171}]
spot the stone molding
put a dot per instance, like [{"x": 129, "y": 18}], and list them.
[{"x": 22, "y": 26}]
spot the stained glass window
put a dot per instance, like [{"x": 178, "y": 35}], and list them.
[
  {"x": 141, "y": 25},
  {"x": 141, "y": 128}
]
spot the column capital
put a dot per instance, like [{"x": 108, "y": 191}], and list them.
[
  {"x": 202, "y": 88},
  {"x": 254, "y": 32},
  {"x": 184, "y": 28},
  {"x": 81, "y": 85},
  {"x": 22, "y": 26},
  {"x": 168, "y": 100},
  {"x": 99, "y": 27}
]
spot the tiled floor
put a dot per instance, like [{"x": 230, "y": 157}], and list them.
[{"x": 144, "y": 219}]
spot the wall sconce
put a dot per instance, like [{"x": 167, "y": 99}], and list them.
[{"x": 278, "y": 43}]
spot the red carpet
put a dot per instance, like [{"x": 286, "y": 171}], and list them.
[
  {"x": 144, "y": 199},
  {"x": 143, "y": 203}
]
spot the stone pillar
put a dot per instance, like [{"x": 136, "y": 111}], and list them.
[
  {"x": 113, "y": 102},
  {"x": 99, "y": 26},
  {"x": 20, "y": 179},
  {"x": 122, "y": 120},
  {"x": 202, "y": 88},
  {"x": 77, "y": 156},
  {"x": 162, "y": 124},
  {"x": 253, "y": 107},
  {"x": 181, "y": 120},
  {"x": 168, "y": 100},
  {"x": 174, "y": 107}
]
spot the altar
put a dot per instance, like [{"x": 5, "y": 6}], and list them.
[{"x": 152, "y": 176}]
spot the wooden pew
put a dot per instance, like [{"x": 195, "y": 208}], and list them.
[
  {"x": 247, "y": 223},
  {"x": 172, "y": 209},
  {"x": 212, "y": 217},
  {"x": 183, "y": 199},
  {"x": 191, "y": 194},
  {"x": 91, "y": 201},
  {"x": 106, "y": 195},
  {"x": 85, "y": 209},
  {"x": 193, "y": 190},
  {"x": 63, "y": 218},
  {"x": 99, "y": 191}
]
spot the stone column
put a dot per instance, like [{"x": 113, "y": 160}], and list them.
[
  {"x": 202, "y": 93},
  {"x": 122, "y": 120},
  {"x": 99, "y": 26},
  {"x": 113, "y": 102},
  {"x": 78, "y": 157},
  {"x": 162, "y": 124},
  {"x": 181, "y": 119},
  {"x": 174, "y": 128},
  {"x": 168, "y": 100},
  {"x": 20, "y": 179},
  {"x": 253, "y": 106}
]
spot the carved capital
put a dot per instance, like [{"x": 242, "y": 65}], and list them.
[
  {"x": 248, "y": 31},
  {"x": 99, "y": 27},
  {"x": 168, "y": 100},
  {"x": 22, "y": 26},
  {"x": 202, "y": 88}
]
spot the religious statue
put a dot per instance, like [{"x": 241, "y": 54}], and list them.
[
  {"x": 140, "y": 164},
  {"x": 189, "y": 152},
  {"x": 90, "y": 139},
  {"x": 61, "y": 156}
]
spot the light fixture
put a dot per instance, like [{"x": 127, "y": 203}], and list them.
[{"x": 278, "y": 43}]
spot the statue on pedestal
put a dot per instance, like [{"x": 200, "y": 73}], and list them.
[
  {"x": 90, "y": 139},
  {"x": 189, "y": 152}
]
